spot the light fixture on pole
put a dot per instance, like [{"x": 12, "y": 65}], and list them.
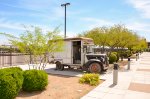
[{"x": 64, "y": 5}]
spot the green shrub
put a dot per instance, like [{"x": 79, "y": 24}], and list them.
[
  {"x": 117, "y": 54},
  {"x": 10, "y": 70},
  {"x": 8, "y": 87},
  {"x": 16, "y": 68},
  {"x": 129, "y": 53},
  {"x": 11, "y": 80},
  {"x": 18, "y": 77},
  {"x": 34, "y": 80},
  {"x": 126, "y": 54},
  {"x": 92, "y": 79},
  {"x": 16, "y": 73},
  {"x": 112, "y": 58}
]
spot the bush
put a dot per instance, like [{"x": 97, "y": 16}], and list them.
[
  {"x": 92, "y": 79},
  {"x": 117, "y": 54},
  {"x": 8, "y": 87},
  {"x": 129, "y": 53},
  {"x": 10, "y": 70},
  {"x": 17, "y": 74},
  {"x": 112, "y": 58},
  {"x": 16, "y": 68},
  {"x": 126, "y": 54},
  {"x": 34, "y": 80},
  {"x": 11, "y": 80},
  {"x": 19, "y": 77}
]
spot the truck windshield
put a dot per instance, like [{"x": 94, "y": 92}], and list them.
[{"x": 88, "y": 48}]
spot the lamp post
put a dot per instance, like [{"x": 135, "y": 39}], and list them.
[{"x": 64, "y": 5}]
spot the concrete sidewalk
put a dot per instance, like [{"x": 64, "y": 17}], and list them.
[{"x": 132, "y": 84}]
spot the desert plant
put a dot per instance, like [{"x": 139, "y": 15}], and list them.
[
  {"x": 40, "y": 45},
  {"x": 112, "y": 58},
  {"x": 129, "y": 53},
  {"x": 8, "y": 87},
  {"x": 11, "y": 80},
  {"x": 34, "y": 80},
  {"x": 117, "y": 54},
  {"x": 90, "y": 78},
  {"x": 125, "y": 54},
  {"x": 18, "y": 76},
  {"x": 16, "y": 68}
]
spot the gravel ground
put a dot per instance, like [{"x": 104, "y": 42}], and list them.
[
  {"x": 120, "y": 63},
  {"x": 60, "y": 87}
]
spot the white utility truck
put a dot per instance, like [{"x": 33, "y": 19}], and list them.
[{"x": 78, "y": 53}]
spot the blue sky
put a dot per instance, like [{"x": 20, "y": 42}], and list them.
[{"x": 82, "y": 15}]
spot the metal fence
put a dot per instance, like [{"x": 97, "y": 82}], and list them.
[
  {"x": 12, "y": 59},
  {"x": 10, "y": 56}
]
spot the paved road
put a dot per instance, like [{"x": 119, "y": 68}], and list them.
[{"x": 132, "y": 84}]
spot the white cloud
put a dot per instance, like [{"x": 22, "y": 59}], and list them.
[
  {"x": 22, "y": 14},
  {"x": 13, "y": 28},
  {"x": 7, "y": 24},
  {"x": 141, "y": 5},
  {"x": 133, "y": 25},
  {"x": 94, "y": 22},
  {"x": 10, "y": 25},
  {"x": 99, "y": 21},
  {"x": 138, "y": 26}
]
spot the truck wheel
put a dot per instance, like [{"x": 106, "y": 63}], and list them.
[
  {"x": 59, "y": 66},
  {"x": 95, "y": 67}
]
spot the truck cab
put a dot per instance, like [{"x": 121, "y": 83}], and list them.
[{"x": 78, "y": 53}]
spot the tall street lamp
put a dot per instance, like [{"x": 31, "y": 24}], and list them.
[{"x": 64, "y": 5}]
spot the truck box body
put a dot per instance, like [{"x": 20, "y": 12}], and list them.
[{"x": 78, "y": 53}]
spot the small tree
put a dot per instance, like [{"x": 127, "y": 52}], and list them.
[
  {"x": 116, "y": 37},
  {"x": 99, "y": 36},
  {"x": 141, "y": 44},
  {"x": 38, "y": 44}
]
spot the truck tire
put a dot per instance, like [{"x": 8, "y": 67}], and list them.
[
  {"x": 95, "y": 67},
  {"x": 59, "y": 66}
]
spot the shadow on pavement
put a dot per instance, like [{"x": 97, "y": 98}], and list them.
[{"x": 112, "y": 85}]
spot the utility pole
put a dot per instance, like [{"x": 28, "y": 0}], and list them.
[{"x": 64, "y": 5}]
